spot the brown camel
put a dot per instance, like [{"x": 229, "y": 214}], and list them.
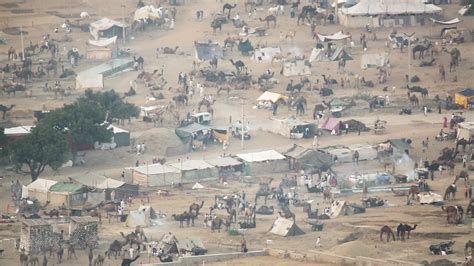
[
  {"x": 4, "y": 109},
  {"x": 195, "y": 207},
  {"x": 464, "y": 175},
  {"x": 450, "y": 192},
  {"x": 386, "y": 230},
  {"x": 268, "y": 19},
  {"x": 454, "y": 214},
  {"x": 327, "y": 195},
  {"x": 404, "y": 228}
]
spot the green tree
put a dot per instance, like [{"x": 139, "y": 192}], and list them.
[
  {"x": 112, "y": 103},
  {"x": 44, "y": 146}
]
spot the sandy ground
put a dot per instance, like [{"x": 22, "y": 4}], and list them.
[{"x": 432, "y": 227}]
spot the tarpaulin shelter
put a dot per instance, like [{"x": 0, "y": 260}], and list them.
[
  {"x": 101, "y": 49},
  {"x": 120, "y": 188},
  {"x": 225, "y": 164},
  {"x": 292, "y": 127},
  {"x": 121, "y": 136},
  {"x": 430, "y": 198},
  {"x": 89, "y": 80},
  {"x": 331, "y": 123},
  {"x": 137, "y": 218},
  {"x": 155, "y": 175},
  {"x": 208, "y": 50},
  {"x": 365, "y": 150},
  {"x": 333, "y": 37},
  {"x": 39, "y": 189},
  {"x": 465, "y": 130},
  {"x": 465, "y": 97},
  {"x": 297, "y": 68},
  {"x": 194, "y": 170},
  {"x": 93, "y": 78},
  {"x": 342, "y": 153},
  {"x": 285, "y": 227},
  {"x": 265, "y": 55},
  {"x": 340, "y": 208},
  {"x": 337, "y": 54},
  {"x": 168, "y": 244},
  {"x": 374, "y": 60},
  {"x": 263, "y": 162},
  {"x": 340, "y": 53},
  {"x": 106, "y": 28},
  {"x": 147, "y": 12},
  {"x": 273, "y": 97},
  {"x": 68, "y": 193}
]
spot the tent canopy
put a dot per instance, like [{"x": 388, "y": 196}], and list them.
[
  {"x": 285, "y": 227},
  {"x": 333, "y": 37},
  {"x": 103, "y": 25},
  {"x": 223, "y": 161},
  {"x": 467, "y": 92},
  {"x": 155, "y": 169},
  {"x": 390, "y": 7},
  {"x": 41, "y": 185},
  {"x": 191, "y": 165},
  {"x": 330, "y": 123},
  {"x": 103, "y": 42},
  {"x": 271, "y": 96},
  {"x": 261, "y": 156},
  {"x": 21, "y": 130},
  {"x": 449, "y": 22}
]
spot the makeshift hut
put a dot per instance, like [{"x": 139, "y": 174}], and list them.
[
  {"x": 374, "y": 60},
  {"x": 225, "y": 165},
  {"x": 101, "y": 49},
  {"x": 465, "y": 130},
  {"x": 340, "y": 208},
  {"x": 292, "y": 128},
  {"x": 143, "y": 217},
  {"x": 185, "y": 246},
  {"x": 387, "y": 13},
  {"x": 195, "y": 170},
  {"x": 39, "y": 189},
  {"x": 208, "y": 50},
  {"x": 285, "y": 227},
  {"x": 155, "y": 175},
  {"x": 168, "y": 244},
  {"x": 465, "y": 98},
  {"x": 339, "y": 153},
  {"x": 83, "y": 229},
  {"x": 331, "y": 124},
  {"x": 301, "y": 158},
  {"x": 196, "y": 133},
  {"x": 263, "y": 162},
  {"x": 272, "y": 97},
  {"x": 106, "y": 28},
  {"x": 68, "y": 193},
  {"x": 297, "y": 68},
  {"x": 333, "y": 37},
  {"x": 36, "y": 235},
  {"x": 265, "y": 55},
  {"x": 121, "y": 137}
]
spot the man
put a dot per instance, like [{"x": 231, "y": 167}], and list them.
[
  {"x": 243, "y": 245},
  {"x": 318, "y": 242},
  {"x": 128, "y": 262},
  {"x": 315, "y": 141}
]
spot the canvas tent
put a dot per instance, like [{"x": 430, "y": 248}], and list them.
[
  {"x": 269, "y": 96},
  {"x": 168, "y": 244},
  {"x": 285, "y": 227},
  {"x": 137, "y": 218},
  {"x": 297, "y": 68},
  {"x": 155, "y": 175},
  {"x": 465, "y": 98},
  {"x": 120, "y": 188},
  {"x": 333, "y": 37},
  {"x": 337, "y": 54},
  {"x": 365, "y": 150},
  {"x": 265, "y": 55},
  {"x": 208, "y": 50},
  {"x": 68, "y": 193},
  {"x": 465, "y": 130},
  {"x": 193, "y": 170},
  {"x": 121, "y": 136},
  {"x": 374, "y": 60},
  {"x": 106, "y": 28},
  {"x": 331, "y": 124},
  {"x": 39, "y": 189},
  {"x": 269, "y": 161},
  {"x": 292, "y": 127},
  {"x": 225, "y": 164},
  {"x": 89, "y": 80},
  {"x": 342, "y": 153},
  {"x": 340, "y": 208},
  {"x": 101, "y": 49},
  {"x": 430, "y": 198},
  {"x": 302, "y": 158}
]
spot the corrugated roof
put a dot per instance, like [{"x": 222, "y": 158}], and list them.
[
  {"x": 21, "y": 130},
  {"x": 223, "y": 161},
  {"x": 296, "y": 151},
  {"x": 65, "y": 187},
  {"x": 191, "y": 165},
  {"x": 261, "y": 156},
  {"x": 42, "y": 185},
  {"x": 84, "y": 219}
]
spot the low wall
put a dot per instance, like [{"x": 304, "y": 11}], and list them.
[{"x": 200, "y": 260}]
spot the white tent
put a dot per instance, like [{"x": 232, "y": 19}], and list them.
[
  {"x": 430, "y": 198},
  {"x": 137, "y": 218},
  {"x": 333, "y": 37},
  {"x": 197, "y": 186},
  {"x": 147, "y": 12},
  {"x": 261, "y": 156},
  {"x": 17, "y": 131},
  {"x": 39, "y": 189},
  {"x": 297, "y": 68},
  {"x": 89, "y": 80},
  {"x": 318, "y": 55},
  {"x": 390, "y": 7},
  {"x": 103, "y": 42},
  {"x": 155, "y": 175},
  {"x": 374, "y": 60},
  {"x": 285, "y": 227},
  {"x": 265, "y": 55},
  {"x": 271, "y": 97}
]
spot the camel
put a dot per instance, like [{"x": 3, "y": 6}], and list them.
[
  {"x": 206, "y": 103},
  {"x": 248, "y": 213},
  {"x": 232, "y": 214},
  {"x": 464, "y": 175},
  {"x": 33, "y": 260},
  {"x": 276, "y": 10},
  {"x": 454, "y": 214},
  {"x": 185, "y": 216},
  {"x": 115, "y": 248},
  {"x": 216, "y": 24},
  {"x": 217, "y": 223},
  {"x": 169, "y": 50},
  {"x": 287, "y": 214},
  {"x": 468, "y": 246},
  {"x": 52, "y": 66},
  {"x": 196, "y": 207},
  {"x": 132, "y": 238},
  {"x": 231, "y": 42},
  {"x": 181, "y": 99},
  {"x": 327, "y": 195},
  {"x": 386, "y": 230},
  {"x": 268, "y": 19},
  {"x": 450, "y": 192},
  {"x": 71, "y": 251},
  {"x": 239, "y": 65},
  {"x": 414, "y": 100},
  {"x": 404, "y": 228},
  {"x": 424, "y": 91},
  {"x": 4, "y": 109},
  {"x": 470, "y": 208},
  {"x": 420, "y": 48},
  {"x": 228, "y": 7},
  {"x": 23, "y": 259},
  {"x": 99, "y": 261}
]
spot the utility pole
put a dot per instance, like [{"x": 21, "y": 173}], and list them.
[
  {"x": 336, "y": 19},
  {"x": 242, "y": 132},
  {"x": 409, "y": 55},
  {"x": 123, "y": 21},
  {"x": 22, "y": 44}
]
